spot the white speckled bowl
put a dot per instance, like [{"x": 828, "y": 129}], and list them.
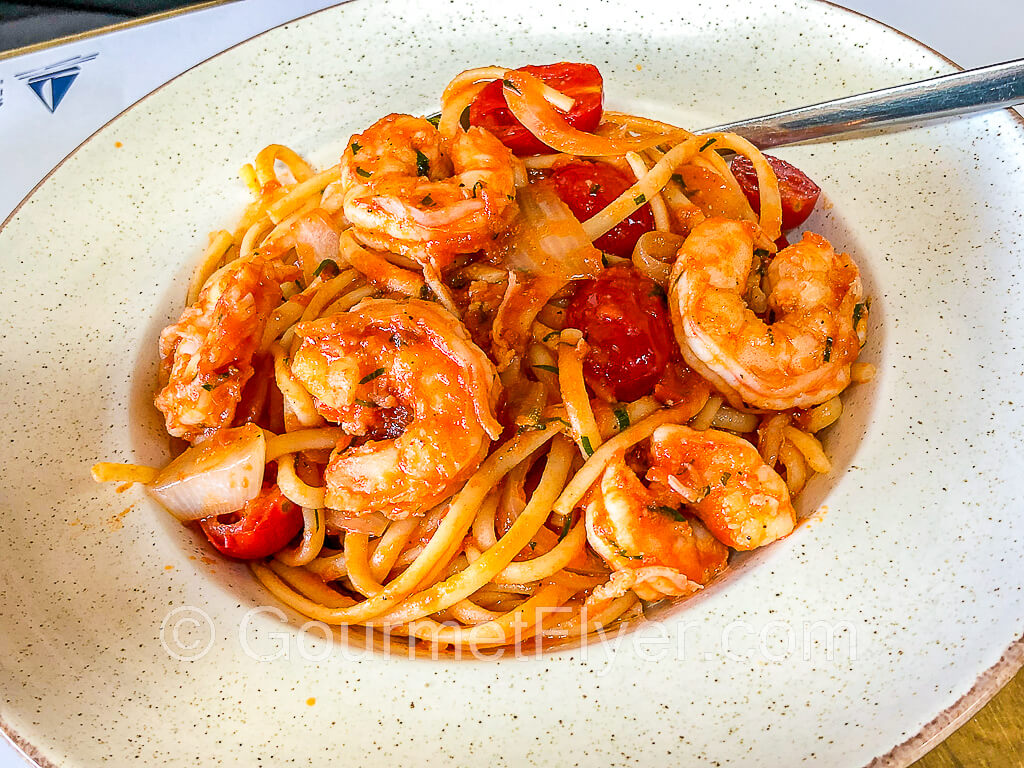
[{"x": 915, "y": 570}]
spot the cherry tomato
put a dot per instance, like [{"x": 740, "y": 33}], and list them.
[
  {"x": 587, "y": 187},
  {"x": 799, "y": 193},
  {"x": 264, "y": 525},
  {"x": 625, "y": 322},
  {"x": 582, "y": 82}
]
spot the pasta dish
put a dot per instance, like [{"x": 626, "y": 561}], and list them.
[{"x": 515, "y": 371}]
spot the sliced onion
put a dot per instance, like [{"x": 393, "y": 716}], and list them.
[
  {"x": 549, "y": 249},
  {"x": 524, "y": 95},
  {"x": 370, "y": 523},
  {"x": 215, "y": 476},
  {"x": 316, "y": 239}
]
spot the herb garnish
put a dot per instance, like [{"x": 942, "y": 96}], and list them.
[
  {"x": 323, "y": 265},
  {"x": 621, "y": 417},
  {"x": 422, "y": 164},
  {"x": 672, "y": 512},
  {"x": 565, "y": 527},
  {"x": 587, "y": 447}
]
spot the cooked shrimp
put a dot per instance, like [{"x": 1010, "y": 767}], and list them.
[
  {"x": 630, "y": 527},
  {"x": 800, "y": 359},
  {"x": 407, "y": 376},
  {"x": 406, "y": 192},
  {"x": 724, "y": 481},
  {"x": 206, "y": 357}
]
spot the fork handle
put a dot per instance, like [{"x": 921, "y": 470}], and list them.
[{"x": 972, "y": 90}]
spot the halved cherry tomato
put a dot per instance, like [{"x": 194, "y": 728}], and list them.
[
  {"x": 587, "y": 187},
  {"x": 582, "y": 82},
  {"x": 625, "y": 322},
  {"x": 263, "y": 526},
  {"x": 799, "y": 193}
]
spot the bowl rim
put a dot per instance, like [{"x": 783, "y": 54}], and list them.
[{"x": 930, "y": 735}]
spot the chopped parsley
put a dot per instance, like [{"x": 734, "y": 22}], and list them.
[
  {"x": 535, "y": 427},
  {"x": 858, "y": 312},
  {"x": 209, "y": 387},
  {"x": 422, "y": 164},
  {"x": 725, "y": 477},
  {"x": 828, "y": 349},
  {"x": 594, "y": 190},
  {"x": 678, "y": 179},
  {"x": 356, "y": 146},
  {"x": 434, "y": 120},
  {"x": 761, "y": 253},
  {"x": 771, "y": 337},
  {"x": 549, "y": 368},
  {"x": 623, "y": 553},
  {"x": 553, "y": 334},
  {"x": 550, "y": 419},
  {"x": 707, "y": 144},
  {"x": 323, "y": 265},
  {"x": 365, "y": 403},
  {"x": 511, "y": 86},
  {"x": 364, "y": 173},
  {"x": 587, "y": 447},
  {"x": 640, "y": 199},
  {"x": 427, "y": 201},
  {"x": 621, "y": 417},
  {"x": 565, "y": 527},
  {"x": 477, "y": 187},
  {"x": 371, "y": 376},
  {"x": 672, "y": 512},
  {"x": 604, "y": 260}
]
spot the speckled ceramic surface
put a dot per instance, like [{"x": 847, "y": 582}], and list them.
[{"x": 123, "y": 643}]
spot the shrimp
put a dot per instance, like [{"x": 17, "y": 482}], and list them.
[
  {"x": 407, "y": 192},
  {"x": 803, "y": 357},
  {"x": 723, "y": 480},
  {"x": 206, "y": 357},
  {"x": 405, "y": 375},
  {"x": 628, "y": 525}
]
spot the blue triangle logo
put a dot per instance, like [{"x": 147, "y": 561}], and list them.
[{"x": 51, "y": 89}]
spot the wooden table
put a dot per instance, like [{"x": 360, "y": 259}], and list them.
[{"x": 993, "y": 738}]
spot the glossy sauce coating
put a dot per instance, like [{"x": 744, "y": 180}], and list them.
[
  {"x": 625, "y": 322},
  {"x": 587, "y": 187}
]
